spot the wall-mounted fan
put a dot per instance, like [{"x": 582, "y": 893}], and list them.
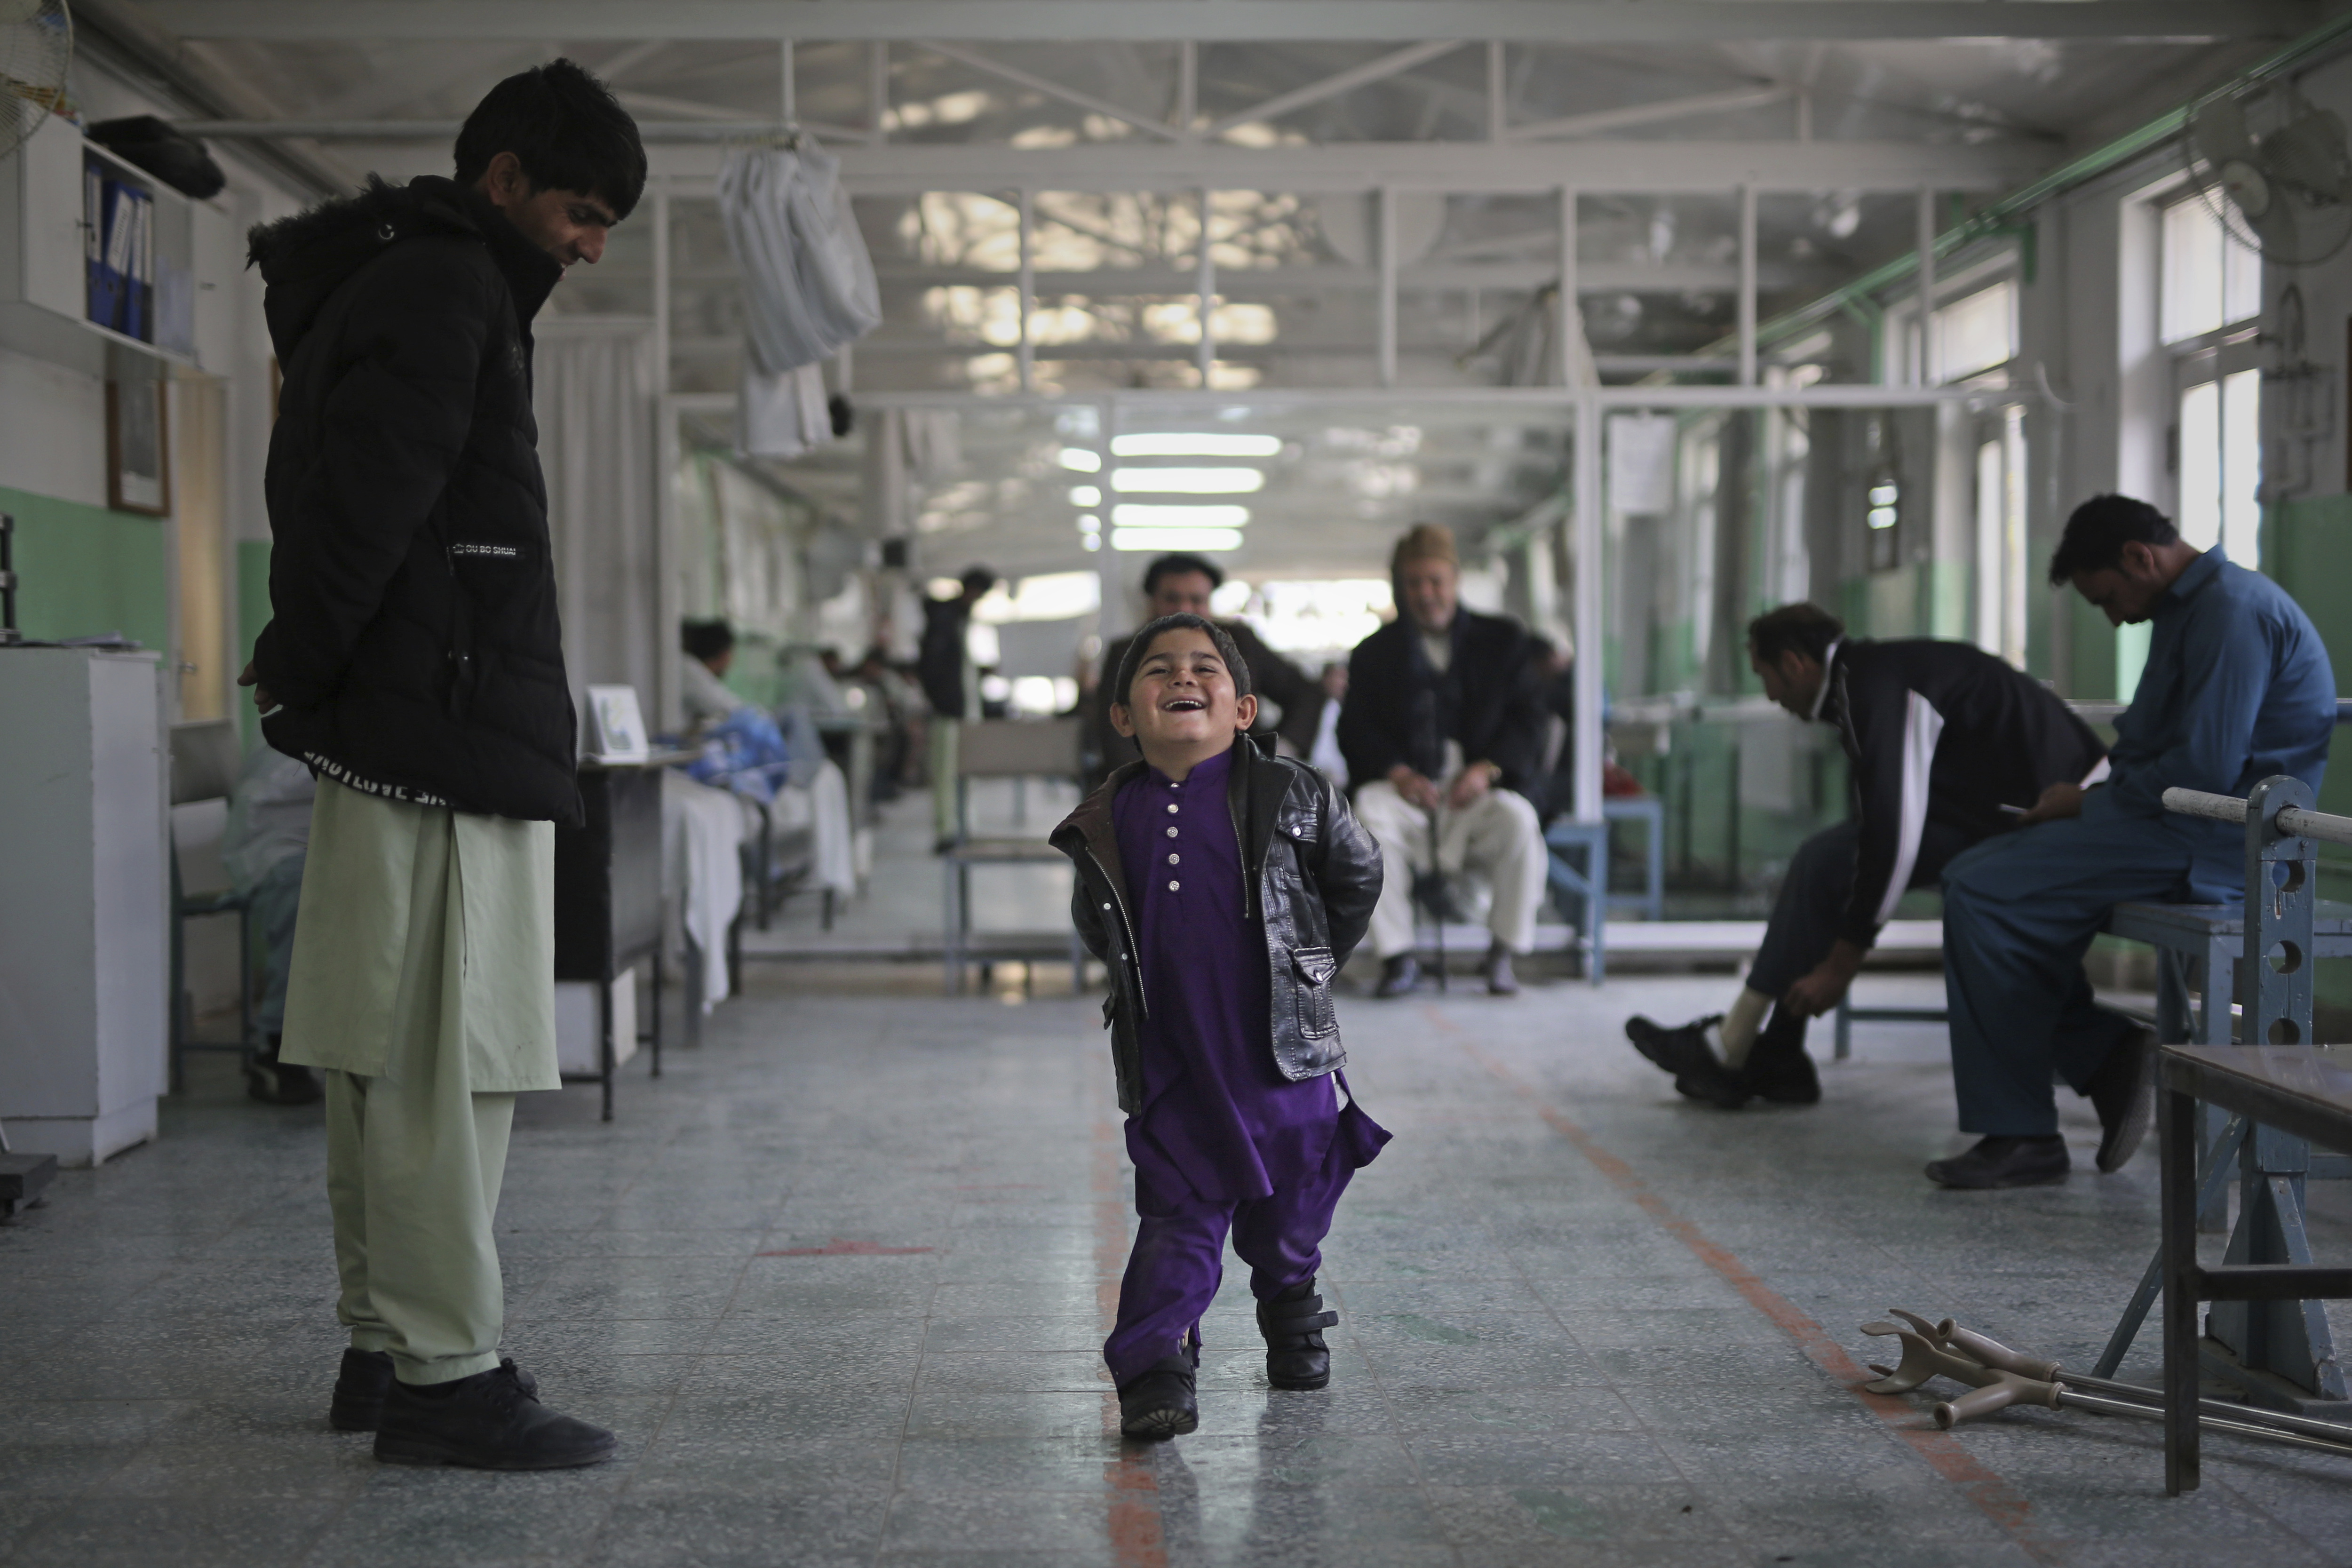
[
  {"x": 2276, "y": 171},
  {"x": 36, "y": 42}
]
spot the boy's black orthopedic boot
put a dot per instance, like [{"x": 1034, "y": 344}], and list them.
[
  {"x": 1777, "y": 1068},
  {"x": 1160, "y": 1402},
  {"x": 1293, "y": 1324},
  {"x": 361, "y": 1385},
  {"x": 491, "y": 1421}
]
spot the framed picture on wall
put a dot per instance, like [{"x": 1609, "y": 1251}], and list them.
[{"x": 138, "y": 448}]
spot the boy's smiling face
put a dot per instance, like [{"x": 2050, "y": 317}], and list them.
[{"x": 1182, "y": 709}]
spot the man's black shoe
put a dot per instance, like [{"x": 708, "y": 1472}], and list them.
[
  {"x": 274, "y": 1082},
  {"x": 1160, "y": 1402},
  {"x": 1711, "y": 1083},
  {"x": 1500, "y": 981},
  {"x": 1399, "y": 975},
  {"x": 1672, "y": 1050},
  {"x": 364, "y": 1378},
  {"x": 2123, "y": 1091},
  {"x": 2004, "y": 1163},
  {"x": 1293, "y": 1324},
  {"x": 1778, "y": 1068},
  {"x": 491, "y": 1421}
]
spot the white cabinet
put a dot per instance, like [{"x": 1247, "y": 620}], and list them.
[{"x": 85, "y": 938}]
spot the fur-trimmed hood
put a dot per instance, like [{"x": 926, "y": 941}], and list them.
[{"x": 306, "y": 257}]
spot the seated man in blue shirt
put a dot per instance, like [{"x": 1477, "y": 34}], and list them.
[{"x": 2237, "y": 689}]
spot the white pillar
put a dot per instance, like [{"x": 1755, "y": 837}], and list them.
[
  {"x": 1204, "y": 288},
  {"x": 1922, "y": 373},
  {"x": 1584, "y": 614},
  {"x": 1747, "y": 285},
  {"x": 877, "y": 87},
  {"x": 787, "y": 98},
  {"x": 1571, "y": 305},
  {"x": 1028, "y": 287},
  {"x": 1497, "y": 91},
  {"x": 1385, "y": 207}
]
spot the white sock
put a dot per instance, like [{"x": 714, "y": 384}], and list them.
[{"x": 1741, "y": 1025}]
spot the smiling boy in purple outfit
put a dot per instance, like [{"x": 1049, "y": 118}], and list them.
[{"x": 1223, "y": 888}]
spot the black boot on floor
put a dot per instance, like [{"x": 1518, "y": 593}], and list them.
[
  {"x": 2123, "y": 1091},
  {"x": 1699, "y": 1073},
  {"x": 360, "y": 1389},
  {"x": 1399, "y": 975},
  {"x": 491, "y": 1421},
  {"x": 1293, "y": 1324},
  {"x": 273, "y": 1082},
  {"x": 2004, "y": 1163},
  {"x": 1497, "y": 968},
  {"x": 1776, "y": 1068},
  {"x": 1160, "y": 1402}
]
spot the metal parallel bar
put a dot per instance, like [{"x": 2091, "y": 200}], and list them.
[
  {"x": 2272, "y": 1282},
  {"x": 2292, "y": 820}
]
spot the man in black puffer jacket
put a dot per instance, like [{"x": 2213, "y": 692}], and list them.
[{"x": 414, "y": 660}]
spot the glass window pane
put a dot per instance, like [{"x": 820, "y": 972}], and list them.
[
  {"x": 2201, "y": 465},
  {"x": 2242, "y": 283},
  {"x": 2242, "y": 467},
  {"x": 2192, "y": 244},
  {"x": 1976, "y": 334}
]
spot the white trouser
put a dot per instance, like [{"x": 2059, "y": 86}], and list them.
[{"x": 1496, "y": 838}]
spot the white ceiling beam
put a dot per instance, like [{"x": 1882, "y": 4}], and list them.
[
  {"x": 1035, "y": 83},
  {"x": 1235, "y": 21},
  {"x": 1595, "y": 168},
  {"x": 1371, "y": 72},
  {"x": 1633, "y": 114}
]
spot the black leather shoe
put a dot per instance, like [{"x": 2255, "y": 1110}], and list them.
[
  {"x": 1778, "y": 1068},
  {"x": 491, "y": 1421},
  {"x": 1399, "y": 975},
  {"x": 274, "y": 1082},
  {"x": 1293, "y": 1324},
  {"x": 2004, "y": 1163},
  {"x": 2123, "y": 1091},
  {"x": 1500, "y": 981},
  {"x": 1711, "y": 1083},
  {"x": 1160, "y": 1402},
  {"x": 1672, "y": 1050},
  {"x": 361, "y": 1384}
]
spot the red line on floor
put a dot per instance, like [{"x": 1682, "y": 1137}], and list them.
[
  {"x": 1994, "y": 1497},
  {"x": 1136, "y": 1540}
]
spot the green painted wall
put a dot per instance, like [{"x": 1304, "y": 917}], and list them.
[{"x": 83, "y": 570}]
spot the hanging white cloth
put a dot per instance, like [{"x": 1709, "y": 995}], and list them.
[
  {"x": 702, "y": 832},
  {"x": 809, "y": 287},
  {"x": 592, "y": 391}
]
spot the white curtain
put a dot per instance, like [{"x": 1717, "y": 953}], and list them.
[{"x": 592, "y": 391}]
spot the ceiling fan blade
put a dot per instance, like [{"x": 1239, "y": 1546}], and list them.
[{"x": 2218, "y": 132}]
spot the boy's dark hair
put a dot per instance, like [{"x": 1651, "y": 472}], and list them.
[
  {"x": 705, "y": 640},
  {"x": 1183, "y": 620},
  {"x": 2095, "y": 535},
  {"x": 1806, "y": 629},
  {"x": 1181, "y": 564},
  {"x": 977, "y": 581},
  {"x": 565, "y": 128}
]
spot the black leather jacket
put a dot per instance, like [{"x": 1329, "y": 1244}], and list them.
[{"x": 1315, "y": 873}]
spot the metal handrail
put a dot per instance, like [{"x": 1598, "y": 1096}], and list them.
[{"x": 2295, "y": 820}]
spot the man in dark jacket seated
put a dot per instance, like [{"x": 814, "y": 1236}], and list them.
[
  {"x": 413, "y": 658},
  {"x": 1444, "y": 732},
  {"x": 1290, "y": 701},
  {"x": 1945, "y": 746}
]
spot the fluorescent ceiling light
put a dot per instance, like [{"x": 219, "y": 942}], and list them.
[
  {"x": 1151, "y": 539},
  {"x": 1189, "y": 481},
  {"x": 1079, "y": 461},
  {"x": 1084, "y": 495},
  {"x": 1129, "y": 515},
  {"x": 1193, "y": 444}
]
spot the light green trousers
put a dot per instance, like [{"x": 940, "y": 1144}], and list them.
[{"x": 414, "y": 1155}]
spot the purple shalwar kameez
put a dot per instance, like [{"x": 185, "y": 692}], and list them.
[{"x": 1223, "y": 1140}]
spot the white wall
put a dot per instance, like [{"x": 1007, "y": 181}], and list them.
[{"x": 52, "y": 430}]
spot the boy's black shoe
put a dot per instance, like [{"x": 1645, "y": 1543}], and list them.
[
  {"x": 1160, "y": 1402},
  {"x": 1293, "y": 1324},
  {"x": 1497, "y": 968},
  {"x": 1399, "y": 975},
  {"x": 2004, "y": 1163},
  {"x": 361, "y": 1385},
  {"x": 2123, "y": 1091},
  {"x": 491, "y": 1421},
  {"x": 1778, "y": 1068}
]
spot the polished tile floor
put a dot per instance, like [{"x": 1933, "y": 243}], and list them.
[{"x": 837, "y": 1280}]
